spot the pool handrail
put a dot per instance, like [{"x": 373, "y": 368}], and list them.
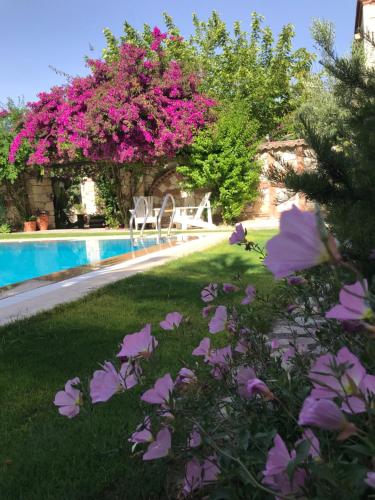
[{"x": 161, "y": 212}]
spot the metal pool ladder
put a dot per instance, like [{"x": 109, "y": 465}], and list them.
[{"x": 166, "y": 198}]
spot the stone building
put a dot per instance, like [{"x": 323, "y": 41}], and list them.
[{"x": 365, "y": 27}]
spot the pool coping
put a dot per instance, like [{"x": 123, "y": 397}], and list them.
[
  {"x": 46, "y": 279},
  {"x": 43, "y": 298}
]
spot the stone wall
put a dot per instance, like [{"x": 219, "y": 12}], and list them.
[
  {"x": 40, "y": 194},
  {"x": 275, "y": 198}
]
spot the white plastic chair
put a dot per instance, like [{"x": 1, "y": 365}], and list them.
[
  {"x": 141, "y": 214},
  {"x": 193, "y": 216}
]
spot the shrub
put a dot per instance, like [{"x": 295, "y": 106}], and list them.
[{"x": 290, "y": 419}]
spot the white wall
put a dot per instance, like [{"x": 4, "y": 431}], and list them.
[{"x": 368, "y": 26}]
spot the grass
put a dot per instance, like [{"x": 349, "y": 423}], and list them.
[
  {"x": 75, "y": 233},
  {"x": 44, "y": 456}
]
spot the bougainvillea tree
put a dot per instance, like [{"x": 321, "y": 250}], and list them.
[{"x": 139, "y": 108}]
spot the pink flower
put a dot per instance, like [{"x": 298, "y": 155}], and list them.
[
  {"x": 70, "y": 399},
  {"x": 276, "y": 472},
  {"x": 353, "y": 305},
  {"x": 370, "y": 479},
  {"x": 257, "y": 386},
  {"x": 198, "y": 475},
  {"x": 138, "y": 344},
  {"x": 309, "y": 436},
  {"x": 160, "y": 447},
  {"x": 186, "y": 376},
  {"x": 242, "y": 346},
  {"x": 298, "y": 246},
  {"x": 325, "y": 414},
  {"x": 204, "y": 348},
  {"x": 107, "y": 382},
  {"x": 275, "y": 344},
  {"x": 244, "y": 374},
  {"x": 172, "y": 321},
  {"x": 250, "y": 295},
  {"x": 341, "y": 376},
  {"x": 220, "y": 359},
  {"x": 219, "y": 320},
  {"x": 238, "y": 236},
  {"x": 142, "y": 433},
  {"x": 229, "y": 288},
  {"x": 161, "y": 392},
  {"x": 206, "y": 310},
  {"x": 195, "y": 439},
  {"x": 209, "y": 293}
]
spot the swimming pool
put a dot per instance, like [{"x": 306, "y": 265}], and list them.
[{"x": 20, "y": 261}]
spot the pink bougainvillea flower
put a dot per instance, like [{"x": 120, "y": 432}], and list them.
[
  {"x": 220, "y": 359},
  {"x": 249, "y": 295},
  {"x": 172, "y": 321},
  {"x": 298, "y": 245},
  {"x": 198, "y": 475},
  {"x": 161, "y": 392},
  {"x": 276, "y": 472},
  {"x": 204, "y": 349},
  {"x": 195, "y": 439},
  {"x": 238, "y": 236},
  {"x": 370, "y": 479},
  {"x": 69, "y": 400},
  {"x": 229, "y": 288},
  {"x": 209, "y": 292},
  {"x": 244, "y": 374},
  {"x": 257, "y": 386},
  {"x": 186, "y": 376},
  {"x": 206, "y": 310},
  {"x": 160, "y": 447},
  {"x": 219, "y": 320},
  {"x": 341, "y": 376},
  {"x": 353, "y": 304},
  {"x": 138, "y": 344},
  {"x": 142, "y": 433},
  {"x": 325, "y": 414},
  {"x": 157, "y": 38}
]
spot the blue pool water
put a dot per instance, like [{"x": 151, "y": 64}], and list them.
[{"x": 21, "y": 261}]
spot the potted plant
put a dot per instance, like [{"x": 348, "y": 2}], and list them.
[
  {"x": 29, "y": 224},
  {"x": 42, "y": 220}
]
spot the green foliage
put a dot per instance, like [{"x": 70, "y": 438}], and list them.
[
  {"x": 258, "y": 82},
  {"x": 266, "y": 74},
  {"x": 338, "y": 122},
  {"x": 222, "y": 161},
  {"x": 108, "y": 200},
  {"x": 10, "y": 122},
  {"x": 5, "y": 228}
]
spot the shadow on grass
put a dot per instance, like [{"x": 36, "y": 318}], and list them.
[{"x": 45, "y": 456}]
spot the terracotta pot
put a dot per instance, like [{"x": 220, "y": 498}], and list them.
[
  {"x": 42, "y": 222},
  {"x": 29, "y": 226}
]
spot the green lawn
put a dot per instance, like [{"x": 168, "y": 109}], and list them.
[{"x": 46, "y": 456}]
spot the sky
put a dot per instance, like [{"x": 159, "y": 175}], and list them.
[{"x": 38, "y": 34}]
